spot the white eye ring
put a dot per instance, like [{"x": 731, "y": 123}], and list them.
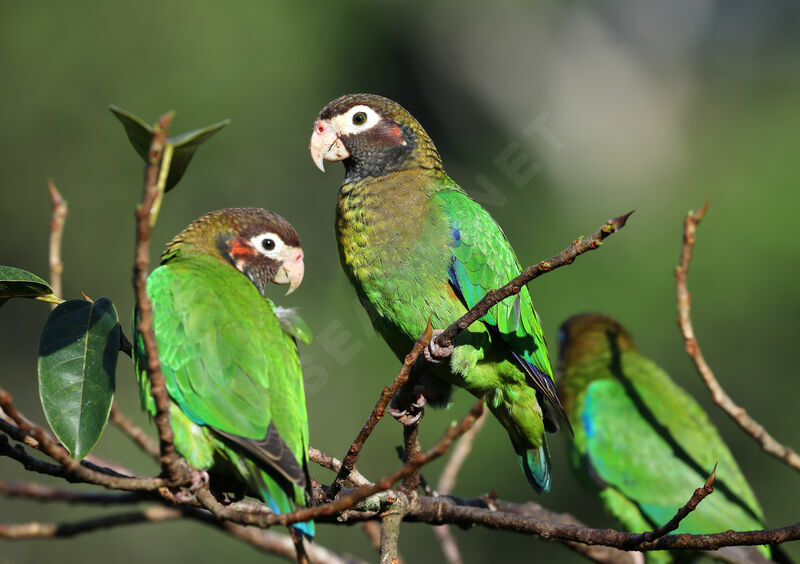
[
  {"x": 347, "y": 122},
  {"x": 268, "y": 244}
]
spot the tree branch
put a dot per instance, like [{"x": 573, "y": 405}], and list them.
[
  {"x": 73, "y": 469},
  {"x": 334, "y": 464},
  {"x": 57, "y": 219},
  {"x": 444, "y": 510},
  {"x": 39, "y": 492},
  {"x": 698, "y": 496},
  {"x": 59, "y": 530},
  {"x": 378, "y": 412},
  {"x": 153, "y": 190},
  {"x": 132, "y": 431},
  {"x": 719, "y": 396},
  {"x": 447, "y": 481},
  {"x": 282, "y": 545},
  {"x": 567, "y": 256},
  {"x": 390, "y": 531},
  {"x": 348, "y": 500}
]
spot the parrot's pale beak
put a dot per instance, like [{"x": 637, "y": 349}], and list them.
[
  {"x": 292, "y": 269},
  {"x": 326, "y": 145}
]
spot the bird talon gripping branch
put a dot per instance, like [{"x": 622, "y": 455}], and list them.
[{"x": 434, "y": 352}]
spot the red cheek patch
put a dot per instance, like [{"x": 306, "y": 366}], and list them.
[{"x": 238, "y": 249}]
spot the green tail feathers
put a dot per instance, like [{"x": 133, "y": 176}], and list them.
[{"x": 535, "y": 463}]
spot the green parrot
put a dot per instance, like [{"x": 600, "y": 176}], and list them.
[
  {"x": 232, "y": 373},
  {"x": 642, "y": 443},
  {"x": 416, "y": 246}
]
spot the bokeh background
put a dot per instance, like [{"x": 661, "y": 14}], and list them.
[{"x": 611, "y": 106}]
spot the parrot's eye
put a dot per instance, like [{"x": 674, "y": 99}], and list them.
[
  {"x": 359, "y": 118},
  {"x": 268, "y": 244}
]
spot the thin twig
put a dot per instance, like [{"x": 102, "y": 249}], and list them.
[
  {"x": 373, "y": 532},
  {"x": 565, "y": 257},
  {"x": 133, "y": 431},
  {"x": 73, "y": 468},
  {"x": 333, "y": 463},
  {"x": 282, "y": 545},
  {"x": 57, "y": 219},
  {"x": 170, "y": 462},
  {"x": 698, "y": 496},
  {"x": 60, "y": 530},
  {"x": 39, "y": 492},
  {"x": 718, "y": 394},
  {"x": 458, "y": 456},
  {"x": 377, "y": 412},
  {"x": 448, "y": 544}
]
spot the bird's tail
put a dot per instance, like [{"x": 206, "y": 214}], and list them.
[
  {"x": 519, "y": 412},
  {"x": 278, "y": 493},
  {"x": 535, "y": 463}
]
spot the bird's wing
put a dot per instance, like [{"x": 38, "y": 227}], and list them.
[
  {"x": 482, "y": 260},
  {"x": 651, "y": 442},
  {"x": 227, "y": 363}
]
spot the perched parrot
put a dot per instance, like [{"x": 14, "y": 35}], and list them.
[
  {"x": 416, "y": 246},
  {"x": 232, "y": 373},
  {"x": 642, "y": 443}
]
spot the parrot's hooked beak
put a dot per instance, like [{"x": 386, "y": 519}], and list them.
[
  {"x": 326, "y": 145},
  {"x": 291, "y": 270}
]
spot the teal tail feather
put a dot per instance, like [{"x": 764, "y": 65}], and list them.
[
  {"x": 275, "y": 492},
  {"x": 275, "y": 496},
  {"x": 535, "y": 463}
]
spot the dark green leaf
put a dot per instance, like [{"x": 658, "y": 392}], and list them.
[
  {"x": 77, "y": 361},
  {"x": 140, "y": 135},
  {"x": 185, "y": 146},
  {"x": 18, "y": 283}
]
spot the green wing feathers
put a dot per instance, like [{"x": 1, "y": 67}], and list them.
[
  {"x": 481, "y": 260},
  {"x": 647, "y": 445},
  {"x": 234, "y": 374}
]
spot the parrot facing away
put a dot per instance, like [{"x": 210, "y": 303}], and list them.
[
  {"x": 416, "y": 246},
  {"x": 642, "y": 443},
  {"x": 232, "y": 373}
]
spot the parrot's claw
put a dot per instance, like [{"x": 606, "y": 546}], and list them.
[
  {"x": 200, "y": 479},
  {"x": 434, "y": 353},
  {"x": 408, "y": 414}
]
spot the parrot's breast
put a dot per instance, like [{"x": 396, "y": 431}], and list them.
[{"x": 396, "y": 250}]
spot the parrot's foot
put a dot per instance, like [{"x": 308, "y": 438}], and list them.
[
  {"x": 200, "y": 479},
  {"x": 406, "y": 411},
  {"x": 436, "y": 353}
]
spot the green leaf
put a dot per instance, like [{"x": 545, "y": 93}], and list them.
[
  {"x": 78, "y": 352},
  {"x": 140, "y": 135},
  {"x": 18, "y": 283}
]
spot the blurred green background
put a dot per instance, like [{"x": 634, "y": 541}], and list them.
[{"x": 612, "y": 106}]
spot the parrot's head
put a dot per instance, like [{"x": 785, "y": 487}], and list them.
[
  {"x": 587, "y": 335},
  {"x": 373, "y": 136},
  {"x": 259, "y": 243}
]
